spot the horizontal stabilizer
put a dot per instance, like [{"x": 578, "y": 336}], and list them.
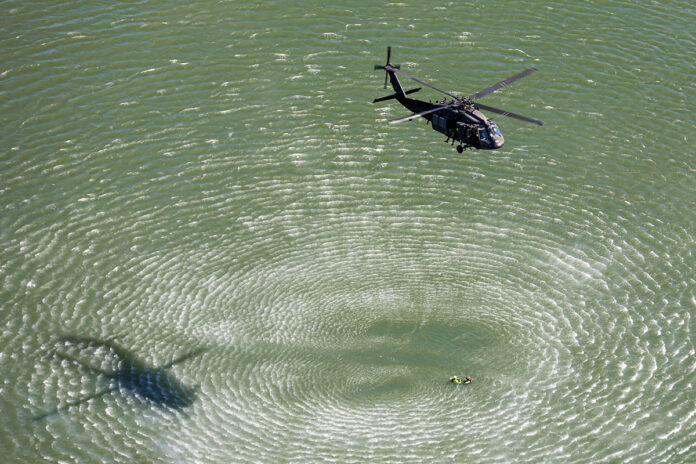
[{"x": 389, "y": 97}]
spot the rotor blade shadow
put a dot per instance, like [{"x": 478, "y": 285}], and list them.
[
  {"x": 75, "y": 360},
  {"x": 69, "y": 405},
  {"x": 189, "y": 355}
]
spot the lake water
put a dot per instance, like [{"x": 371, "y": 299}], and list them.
[{"x": 212, "y": 175}]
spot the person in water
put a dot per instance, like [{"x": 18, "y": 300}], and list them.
[{"x": 458, "y": 381}]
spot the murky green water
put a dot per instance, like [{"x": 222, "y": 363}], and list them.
[{"x": 179, "y": 176}]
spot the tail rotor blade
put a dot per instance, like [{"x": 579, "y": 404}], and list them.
[{"x": 387, "y": 67}]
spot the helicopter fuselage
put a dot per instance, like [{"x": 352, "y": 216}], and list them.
[
  {"x": 468, "y": 126},
  {"x": 464, "y": 124}
]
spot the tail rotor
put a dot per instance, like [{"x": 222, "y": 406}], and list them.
[{"x": 386, "y": 74}]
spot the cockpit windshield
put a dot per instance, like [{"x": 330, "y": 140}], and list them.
[
  {"x": 483, "y": 136},
  {"x": 493, "y": 129}
]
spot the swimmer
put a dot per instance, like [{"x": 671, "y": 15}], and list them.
[{"x": 458, "y": 381}]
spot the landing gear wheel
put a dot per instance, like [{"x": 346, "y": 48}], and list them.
[{"x": 460, "y": 149}]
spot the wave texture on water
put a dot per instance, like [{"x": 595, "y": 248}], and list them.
[{"x": 212, "y": 176}]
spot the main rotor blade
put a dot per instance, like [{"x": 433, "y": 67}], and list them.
[
  {"x": 422, "y": 113},
  {"x": 405, "y": 74},
  {"x": 507, "y": 113},
  {"x": 502, "y": 84}
]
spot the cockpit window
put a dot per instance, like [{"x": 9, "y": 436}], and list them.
[
  {"x": 493, "y": 129},
  {"x": 483, "y": 136}
]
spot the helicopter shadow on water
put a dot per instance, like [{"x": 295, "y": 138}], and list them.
[{"x": 124, "y": 372}]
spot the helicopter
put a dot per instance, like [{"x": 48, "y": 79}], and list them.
[{"x": 460, "y": 119}]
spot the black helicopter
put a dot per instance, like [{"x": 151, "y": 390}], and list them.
[{"x": 459, "y": 119}]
